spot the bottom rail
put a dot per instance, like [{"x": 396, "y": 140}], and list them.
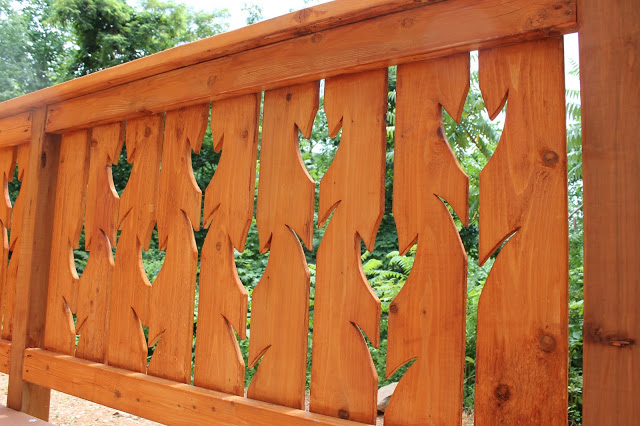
[
  {"x": 157, "y": 399},
  {"x": 5, "y": 356}
]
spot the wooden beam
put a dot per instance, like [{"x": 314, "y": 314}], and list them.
[
  {"x": 439, "y": 29},
  {"x": 15, "y": 130},
  {"x": 155, "y": 398},
  {"x": 610, "y": 80},
  {"x": 295, "y": 24},
  {"x": 5, "y": 356},
  {"x": 39, "y": 188}
]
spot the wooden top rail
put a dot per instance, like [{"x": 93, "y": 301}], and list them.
[{"x": 299, "y": 47}]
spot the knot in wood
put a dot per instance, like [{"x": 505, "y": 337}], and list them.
[
  {"x": 550, "y": 158},
  {"x": 502, "y": 393},
  {"x": 547, "y": 343},
  {"x": 393, "y": 309},
  {"x": 289, "y": 96},
  {"x": 343, "y": 414}
]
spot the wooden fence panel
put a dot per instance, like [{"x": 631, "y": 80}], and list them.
[
  {"x": 522, "y": 314},
  {"x": 343, "y": 378},
  {"x": 228, "y": 210},
  {"x": 179, "y": 203},
  {"x": 7, "y": 170},
  {"x": 130, "y": 291},
  {"x": 427, "y": 318},
  {"x": 11, "y": 282},
  {"x": 101, "y": 224},
  {"x": 73, "y": 174},
  {"x": 280, "y": 301}
]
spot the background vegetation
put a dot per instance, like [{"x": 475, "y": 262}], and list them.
[{"x": 49, "y": 41}]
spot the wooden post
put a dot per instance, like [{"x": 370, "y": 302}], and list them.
[
  {"x": 33, "y": 272},
  {"x": 610, "y": 74}
]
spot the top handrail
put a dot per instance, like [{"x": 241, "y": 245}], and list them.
[{"x": 295, "y": 24}]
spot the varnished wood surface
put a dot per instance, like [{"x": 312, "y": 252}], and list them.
[
  {"x": 15, "y": 130},
  {"x": 427, "y": 318},
  {"x": 5, "y": 356},
  {"x": 610, "y": 88},
  {"x": 281, "y": 299},
  {"x": 158, "y": 399},
  {"x": 228, "y": 210},
  {"x": 344, "y": 382},
  {"x": 306, "y": 21},
  {"x": 522, "y": 346},
  {"x": 440, "y": 29},
  {"x": 7, "y": 169},
  {"x": 73, "y": 175},
  {"x": 39, "y": 189},
  {"x": 127, "y": 345}
]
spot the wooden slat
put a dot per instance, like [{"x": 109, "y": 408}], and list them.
[
  {"x": 73, "y": 173},
  {"x": 610, "y": 76},
  {"x": 127, "y": 347},
  {"x": 521, "y": 364},
  {"x": 155, "y": 398},
  {"x": 17, "y": 213},
  {"x": 427, "y": 318},
  {"x": 228, "y": 210},
  {"x": 15, "y": 130},
  {"x": 440, "y": 29},
  {"x": 39, "y": 189},
  {"x": 307, "y": 21},
  {"x": 174, "y": 290},
  {"x": 7, "y": 169},
  {"x": 5, "y": 356},
  {"x": 344, "y": 381},
  {"x": 280, "y": 301},
  {"x": 101, "y": 224}
]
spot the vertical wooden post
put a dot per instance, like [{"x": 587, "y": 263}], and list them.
[
  {"x": 610, "y": 74},
  {"x": 32, "y": 283}
]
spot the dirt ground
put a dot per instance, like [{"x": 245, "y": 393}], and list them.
[{"x": 68, "y": 410}]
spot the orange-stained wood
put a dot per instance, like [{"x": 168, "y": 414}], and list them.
[
  {"x": 39, "y": 178},
  {"x": 173, "y": 293},
  {"x": 228, "y": 209},
  {"x": 158, "y": 399},
  {"x": 127, "y": 346},
  {"x": 7, "y": 170},
  {"x": 343, "y": 378},
  {"x": 11, "y": 281},
  {"x": 440, "y": 29},
  {"x": 100, "y": 228},
  {"x": 521, "y": 365},
  {"x": 15, "y": 130},
  {"x": 295, "y": 24},
  {"x": 280, "y": 301},
  {"x": 427, "y": 318},
  {"x": 73, "y": 173},
  {"x": 610, "y": 88},
  {"x": 5, "y": 356}
]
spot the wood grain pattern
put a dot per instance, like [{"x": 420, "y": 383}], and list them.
[
  {"x": 158, "y": 399},
  {"x": 522, "y": 345},
  {"x": 36, "y": 229},
  {"x": 281, "y": 299},
  {"x": 100, "y": 229},
  {"x": 73, "y": 174},
  {"x": 291, "y": 25},
  {"x": 343, "y": 379},
  {"x": 609, "y": 76},
  {"x": 17, "y": 213},
  {"x": 7, "y": 169},
  {"x": 5, "y": 356},
  {"x": 427, "y": 318},
  {"x": 228, "y": 210},
  {"x": 179, "y": 202},
  {"x": 439, "y": 30},
  {"x": 15, "y": 130},
  {"x": 127, "y": 346}
]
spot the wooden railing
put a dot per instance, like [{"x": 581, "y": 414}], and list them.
[{"x": 84, "y": 335}]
